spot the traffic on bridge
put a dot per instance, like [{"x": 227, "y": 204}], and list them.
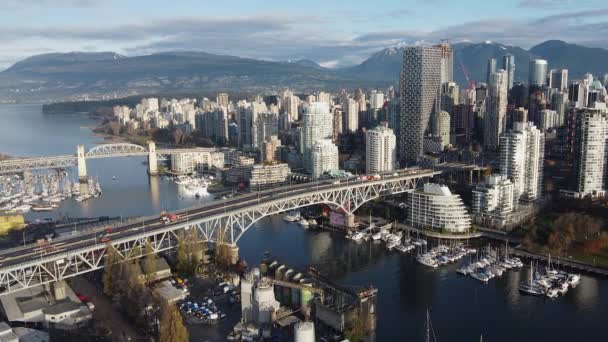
[{"x": 224, "y": 221}]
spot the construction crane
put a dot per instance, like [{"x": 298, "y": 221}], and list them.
[{"x": 470, "y": 82}]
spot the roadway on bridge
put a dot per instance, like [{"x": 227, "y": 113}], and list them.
[{"x": 149, "y": 225}]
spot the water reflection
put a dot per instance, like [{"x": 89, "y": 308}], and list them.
[{"x": 154, "y": 191}]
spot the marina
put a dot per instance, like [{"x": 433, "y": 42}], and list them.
[
  {"x": 43, "y": 191},
  {"x": 192, "y": 186}
]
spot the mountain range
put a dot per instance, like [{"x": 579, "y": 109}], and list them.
[{"x": 75, "y": 75}]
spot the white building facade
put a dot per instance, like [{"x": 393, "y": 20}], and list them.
[
  {"x": 591, "y": 146},
  {"x": 493, "y": 200},
  {"x": 521, "y": 160},
  {"x": 380, "y": 150},
  {"x": 317, "y": 125},
  {"x": 435, "y": 207},
  {"x": 189, "y": 162},
  {"x": 495, "y": 118},
  {"x": 324, "y": 157}
]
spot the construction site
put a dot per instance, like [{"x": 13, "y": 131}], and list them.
[{"x": 278, "y": 301}]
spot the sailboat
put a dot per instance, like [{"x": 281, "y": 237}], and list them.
[{"x": 531, "y": 287}]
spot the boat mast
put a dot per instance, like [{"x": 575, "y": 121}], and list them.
[{"x": 428, "y": 326}]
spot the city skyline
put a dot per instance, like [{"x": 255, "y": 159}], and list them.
[{"x": 337, "y": 36}]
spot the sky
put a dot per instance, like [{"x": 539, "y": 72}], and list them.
[{"x": 333, "y": 33}]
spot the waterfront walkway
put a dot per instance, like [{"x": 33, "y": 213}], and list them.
[
  {"x": 568, "y": 263},
  {"x": 437, "y": 235}
]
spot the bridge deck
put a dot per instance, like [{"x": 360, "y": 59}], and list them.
[{"x": 223, "y": 221}]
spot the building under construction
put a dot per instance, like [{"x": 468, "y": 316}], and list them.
[{"x": 333, "y": 308}]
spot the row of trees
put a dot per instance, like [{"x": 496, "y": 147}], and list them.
[
  {"x": 170, "y": 135},
  {"x": 560, "y": 234},
  {"x": 123, "y": 282},
  {"x": 190, "y": 253}
]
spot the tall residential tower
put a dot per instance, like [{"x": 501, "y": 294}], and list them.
[{"x": 421, "y": 76}]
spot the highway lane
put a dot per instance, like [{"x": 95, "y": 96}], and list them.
[{"x": 90, "y": 239}]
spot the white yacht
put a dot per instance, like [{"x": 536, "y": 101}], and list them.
[
  {"x": 43, "y": 207},
  {"x": 358, "y": 236},
  {"x": 481, "y": 276},
  {"x": 392, "y": 244},
  {"x": 303, "y": 223},
  {"x": 427, "y": 260},
  {"x": 23, "y": 208},
  {"x": 292, "y": 217},
  {"x": 404, "y": 248},
  {"x": 574, "y": 279}
]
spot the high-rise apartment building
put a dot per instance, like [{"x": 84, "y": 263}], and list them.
[
  {"x": 521, "y": 159},
  {"x": 537, "y": 76},
  {"x": 270, "y": 149},
  {"x": 289, "y": 103},
  {"x": 496, "y": 110},
  {"x": 323, "y": 158},
  {"x": 461, "y": 122},
  {"x": 442, "y": 127},
  {"x": 508, "y": 64},
  {"x": 548, "y": 120},
  {"x": 559, "y": 103},
  {"x": 380, "y": 150},
  {"x": 247, "y": 117},
  {"x": 493, "y": 200},
  {"x": 376, "y": 100},
  {"x": 490, "y": 69},
  {"x": 591, "y": 150},
  {"x": 324, "y": 97},
  {"x": 447, "y": 61},
  {"x": 450, "y": 96},
  {"x": 265, "y": 126},
  {"x": 337, "y": 125},
  {"x": 222, "y": 99},
  {"x": 351, "y": 115},
  {"x": 420, "y": 88},
  {"x": 558, "y": 79},
  {"x": 577, "y": 94},
  {"x": 317, "y": 124}
]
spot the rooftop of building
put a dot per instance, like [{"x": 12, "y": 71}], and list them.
[
  {"x": 28, "y": 304},
  {"x": 31, "y": 335},
  {"x": 160, "y": 264},
  {"x": 436, "y": 189},
  {"x": 61, "y": 307}
]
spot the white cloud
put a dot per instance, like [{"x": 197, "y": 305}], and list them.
[{"x": 283, "y": 37}]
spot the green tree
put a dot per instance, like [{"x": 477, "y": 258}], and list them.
[
  {"x": 150, "y": 261},
  {"x": 172, "y": 328},
  {"x": 182, "y": 253},
  {"x": 135, "y": 253},
  {"x": 110, "y": 270}
]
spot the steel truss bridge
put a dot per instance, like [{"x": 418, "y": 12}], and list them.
[
  {"x": 18, "y": 165},
  {"x": 217, "y": 222}
]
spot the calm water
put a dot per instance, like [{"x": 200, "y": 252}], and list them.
[{"x": 461, "y": 308}]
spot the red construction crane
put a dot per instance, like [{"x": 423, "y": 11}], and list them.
[{"x": 470, "y": 82}]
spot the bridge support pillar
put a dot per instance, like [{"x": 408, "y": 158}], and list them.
[
  {"x": 233, "y": 252},
  {"x": 349, "y": 220},
  {"x": 152, "y": 162},
  {"x": 82, "y": 164},
  {"x": 59, "y": 290}
]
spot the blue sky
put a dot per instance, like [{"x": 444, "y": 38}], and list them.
[{"x": 331, "y": 32}]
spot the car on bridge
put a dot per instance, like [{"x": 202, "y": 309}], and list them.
[{"x": 168, "y": 218}]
